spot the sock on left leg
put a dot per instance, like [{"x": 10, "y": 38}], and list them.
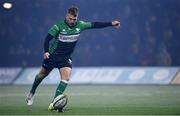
[{"x": 61, "y": 88}]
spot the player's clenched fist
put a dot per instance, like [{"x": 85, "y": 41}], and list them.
[
  {"x": 46, "y": 55},
  {"x": 116, "y": 24}
]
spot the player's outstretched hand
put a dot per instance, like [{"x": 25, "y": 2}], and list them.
[
  {"x": 116, "y": 24},
  {"x": 46, "y": 55}
]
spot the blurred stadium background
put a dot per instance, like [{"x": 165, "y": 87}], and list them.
[{"x": 132, "y": 70}]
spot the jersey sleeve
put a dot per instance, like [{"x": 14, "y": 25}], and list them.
[
  {"x": 54, "y": 30},
  {"x": 46, "y": 42},
  {"x": 85, "y": 25},
  {"x": 101, "y": 24}
]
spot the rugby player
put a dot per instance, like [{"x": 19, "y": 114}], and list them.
[{"x": 63, "y": 36}]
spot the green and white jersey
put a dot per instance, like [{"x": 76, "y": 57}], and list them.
[{"x": 66, "y": 37}]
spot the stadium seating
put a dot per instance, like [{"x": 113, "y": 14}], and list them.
[{"x": 149, "y": 34}]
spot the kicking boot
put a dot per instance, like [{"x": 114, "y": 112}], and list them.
[
  {"x": 60, "y": 110},
  {"x": 51, "y": 107},
  {"x": 30, "y": 99}
]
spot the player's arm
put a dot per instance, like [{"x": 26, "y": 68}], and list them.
[
  {"x": 96, "y": 25},
  {"x": 115, "y": 24},
  {"x": 48, "y": 38},
  {"x": 51, "y": 34}
]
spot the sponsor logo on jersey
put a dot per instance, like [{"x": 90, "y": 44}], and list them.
[
  {"x": 77, "y": 29},
  {"x": 68, "y": 38}
]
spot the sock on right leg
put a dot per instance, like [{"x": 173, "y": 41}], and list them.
[{"x": 36, "y": 82}]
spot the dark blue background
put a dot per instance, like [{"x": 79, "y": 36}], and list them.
[{"x": 149, "y": 33}]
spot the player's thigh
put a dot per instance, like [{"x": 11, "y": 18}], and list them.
[
  {"x": 65, "y": 73},
  {"x": 43, "y": 72}
]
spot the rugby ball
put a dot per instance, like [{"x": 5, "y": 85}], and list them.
[{"x": 60, "y": 102}]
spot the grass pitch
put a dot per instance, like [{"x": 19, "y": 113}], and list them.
[{"x": 95, "y": 100}]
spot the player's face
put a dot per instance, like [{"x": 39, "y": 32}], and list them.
[{"x": 71, "y": 19}]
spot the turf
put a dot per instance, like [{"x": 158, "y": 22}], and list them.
[{"x": 95, "y": 100}]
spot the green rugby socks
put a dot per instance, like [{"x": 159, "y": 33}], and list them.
[
  {"x": 36, "y": 82},
  {"x": 61, "y": 88}
]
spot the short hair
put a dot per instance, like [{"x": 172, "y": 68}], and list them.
[{"x": 73, "y": 11}]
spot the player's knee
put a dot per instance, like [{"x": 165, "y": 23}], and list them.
[{"x": 42, "y": 75}]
